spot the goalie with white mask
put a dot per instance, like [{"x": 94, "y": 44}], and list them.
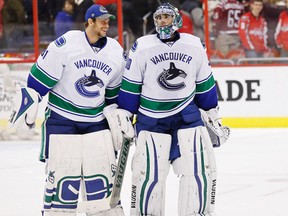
[
  {"x": 81, "y": 74},
  {"x": 167, "y": 80}
]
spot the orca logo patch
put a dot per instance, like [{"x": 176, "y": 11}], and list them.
[{"x": 165, "y": 79}]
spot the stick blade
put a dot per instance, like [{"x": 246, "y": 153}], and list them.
[{"x": 114, "y": 202}]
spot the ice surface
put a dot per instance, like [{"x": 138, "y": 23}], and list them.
[{"x": 252, "y": 176}]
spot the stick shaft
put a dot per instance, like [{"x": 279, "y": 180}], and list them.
[{"x": 120, "y": 171}]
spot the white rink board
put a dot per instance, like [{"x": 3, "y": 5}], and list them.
[
  {"x": 247, "y": 92},
  {"x": 258, "y": 91}
]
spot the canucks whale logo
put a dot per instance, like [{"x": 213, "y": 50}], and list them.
[
  {"x": 169, "y": 79},
  {"x": 85, "y": 86}
]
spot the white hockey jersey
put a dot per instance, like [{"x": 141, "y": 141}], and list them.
[
  {"x": 79, "y": 76},
  {"x": 165, "y": 75}
]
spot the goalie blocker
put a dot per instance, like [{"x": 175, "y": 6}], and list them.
[{"x": 24, "y": 108}]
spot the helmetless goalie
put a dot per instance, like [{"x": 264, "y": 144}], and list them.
[
  {"x": 167, "y": 80},
  {"x": 81, "y": 73}
]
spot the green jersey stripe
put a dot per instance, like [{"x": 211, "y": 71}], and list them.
[
  {"x": 131, "y": 87},
  {"x": 68, "y": 106},
  {"x": 112, "y": 92},
  {"x": 160, "y": 106},
  {"x": 42, "y": 77},
  {"x": 205, "y": 86}
]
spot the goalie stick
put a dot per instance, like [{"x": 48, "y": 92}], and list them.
[
  {"x": 120, "y": 171},
  {"x": 103, "y": 205}
]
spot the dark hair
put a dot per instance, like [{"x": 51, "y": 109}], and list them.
[
  {"x": 86, "y": 23},
  {"x": 71, "y": 2}
]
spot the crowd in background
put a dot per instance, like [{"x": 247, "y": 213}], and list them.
[{"x": 257, "y": 28}]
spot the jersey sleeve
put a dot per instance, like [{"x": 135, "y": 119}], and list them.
[
  {"x": 278, "y": 31},
  {"x": 206, "y": 92},
  {"x": 129, "y": 94},
  {"x": 243, "y": 32},
  {"x": 48, "y": 68},
  {"x": 113, "y": 87}
]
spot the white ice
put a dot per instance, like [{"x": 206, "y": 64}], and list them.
[{"x": 252, "y": 176}]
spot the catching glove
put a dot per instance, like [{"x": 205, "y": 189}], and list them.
[
  {"x": 119, "y": 123},
  {"x": 218, "y": 133}
]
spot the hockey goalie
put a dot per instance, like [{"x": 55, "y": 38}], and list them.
[
  {"x": 81, "y": 74},
  {"x": 167, "y": 81}
]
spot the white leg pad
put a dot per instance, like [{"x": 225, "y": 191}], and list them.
[
  {"x": 197, "y": 168},
  {"x": 99, "y": 165},
  {"x": 150, "y": 167},
  {"x": 74, "y": 160}
]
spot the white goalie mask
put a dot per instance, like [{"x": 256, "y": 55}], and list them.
[{"x": 165, "y": 32}]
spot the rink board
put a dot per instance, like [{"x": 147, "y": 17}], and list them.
[
  {"x": 253, "y": 96},
  {"x": 248, "y": 96}
]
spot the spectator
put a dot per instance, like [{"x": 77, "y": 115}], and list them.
[
  {"x": 187, "y": 24},
  {"x": 79, "y": 13},
  {"x": 131, "y": 19},
  {"x": 194, "y": 8},
  {"x": 46, "y": 17},
  {"x": 281, "y": 33},
  {"x": 271, "y": 12},
  {"x": 143, "y": 7},
  {"x": 253, "y": 31},
  {"x": 105, "y": 2},
  {"x": 225, "y": 25},
  {"x": 1, "y": 22},
  {"x": 13, "y": 22},
  {"x": 64, "y": 18},
  {"x": 28, "y": 8}
]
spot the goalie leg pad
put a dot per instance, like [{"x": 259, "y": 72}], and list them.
[
  {"x": 99, "y": 165},
  {"x": 150, "y": 167},
  {"x": 197, "y": 168},
  {"x": 64, "y": 175},
  {"x": 74, "y": 158}
]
